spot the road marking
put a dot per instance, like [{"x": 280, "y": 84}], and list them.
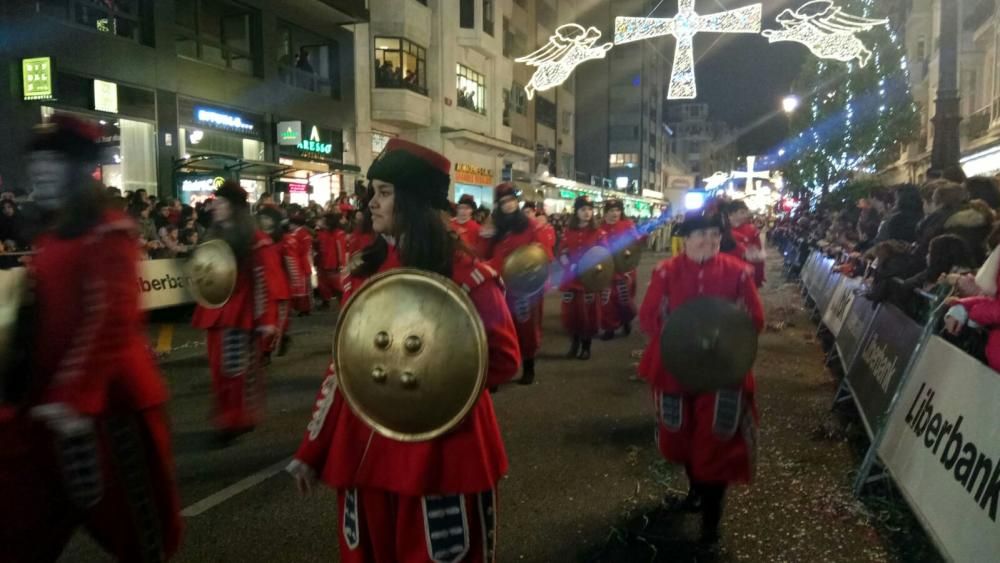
[
  {"x": 213, "y": 500},
  {"x": 165, "y": 339}
]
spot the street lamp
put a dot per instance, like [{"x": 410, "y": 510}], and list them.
[{"x": 790, "y": 103}]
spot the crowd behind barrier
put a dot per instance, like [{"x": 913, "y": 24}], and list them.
[{"x": 928, "y": 406}]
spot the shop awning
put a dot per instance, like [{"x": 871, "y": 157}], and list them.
[
  {"x": 226, "y": 163},
  {"x": 478, "y": 141}
]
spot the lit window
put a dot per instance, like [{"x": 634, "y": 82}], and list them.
[
  {"x": 400, "y": 64},
  {"x": 471, "y": 89}
]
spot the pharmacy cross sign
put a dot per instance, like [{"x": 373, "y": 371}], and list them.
[{"x": 684, "y": 26}]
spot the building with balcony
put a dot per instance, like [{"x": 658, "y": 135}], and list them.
[
  {"x": 979, "y": 86},
  {"x": 433, "y": 72},
  {"x": 188, "y": 91}
]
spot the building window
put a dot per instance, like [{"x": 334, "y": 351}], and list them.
[
  {"x": 400, "y": 64},
  {"x": 467, "y": 14},
  {"x": 623, "y": 160},
  {"x": 518, "y": 98},
  {"x": 306, "y": 60},
  {"x": 506, "y": 107},
  {"x": 545, "y": 113},
  {"x": 218, "y": 33},
  {"x": 508, "y": 39},
  {"x": 471, "y": 89},
  {"x": 488, "y": 17},
  {"x": 131, "y": 19},
  {"x": 567, "y": 122}
]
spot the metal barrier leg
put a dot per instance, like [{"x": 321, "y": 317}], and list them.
[
  {"x": 843, "y": 394},
  {"x": 871, "y": 470}
]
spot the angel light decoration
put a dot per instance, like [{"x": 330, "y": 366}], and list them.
[
  {"x": 570, "y": 46},
  {"x": 826, "y": 30}
]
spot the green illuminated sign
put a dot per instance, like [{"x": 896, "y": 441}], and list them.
[
  {"x": 314, "y": 144},
  {"x": 37, "y": 78},
  {"x": 567, "y": 194}
]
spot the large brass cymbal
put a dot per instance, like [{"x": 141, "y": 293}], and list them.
[
  {"x": 13, "y": 292},
  {"x": 411, "y": 354},
  {"x": 596, "y": 269},
  {"x": 708, "y": 344},
  {"x": 212, "y": 271},
  {"x": 627, "y": 259},
  {"x": 526, "y": 270}
]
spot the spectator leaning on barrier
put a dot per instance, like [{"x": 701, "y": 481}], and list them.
[
  {"x": 973, "y": 223},
  {"x": 893, "y": 260},
  {"x": 984, "y": 188},
  {"x": 947, "y": 198}
]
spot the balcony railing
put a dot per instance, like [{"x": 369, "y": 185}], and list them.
[
  {"x": 978, "y": 123},
  {"x": 394, "y": 81},
  {"x": 304, "y": 79}
]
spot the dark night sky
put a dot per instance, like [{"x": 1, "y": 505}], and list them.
[{"x": 743, "y": 77}]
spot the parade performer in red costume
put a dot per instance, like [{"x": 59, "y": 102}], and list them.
[
  {"x": 237, "y": 332},
  {"x": 83, "y": 422},
  {"x": 272, "y": 254},
  {"x": 547, "y": 236},
  {"x": 388, "y": 514},
  {"x": 511, "y": 229},
  {"x": 330, "y": 258},
  {"x": 302, "y": 302},
  {"x": 746, "y": 236},
  {"x": 618, "y": 301},
  {"x": 361, "y": 234},
  {"x": 580, "y": 311},
  {"x": 712, "y": 434},
  {"x": 463, "y": 223}
]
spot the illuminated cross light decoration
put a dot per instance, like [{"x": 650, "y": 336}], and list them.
[
  {"x": 826, "y": 30},
  {"x": 751, "y": 175},
  {"x": 684, "y": 27},
  {"x": 570, "y": 46}
]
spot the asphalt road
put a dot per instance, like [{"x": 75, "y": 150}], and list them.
[{"x": 583, "y": 468}]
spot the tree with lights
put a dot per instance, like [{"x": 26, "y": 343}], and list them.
[{"x": 855, "y": 117}]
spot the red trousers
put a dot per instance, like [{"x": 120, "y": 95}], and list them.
[
  {"x": 234, "y": 356},
  {"x": 329, "y": 284},
  {"x": 268, "y": 345},
  {"x": 618, "y": 302},
  {"x": 713, "y": 434},
  {"x": 302, "y": 304},
  {"x": 376, "y": 526},
  {"x": 580, "y": 314},
  {"x": 527, "y": 315},
  {"x": 117, "y": 482}
]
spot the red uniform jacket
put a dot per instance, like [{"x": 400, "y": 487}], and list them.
[
  {"x": 346, "y": 453},
  {"x": 467, "y": 231},
  {"x": 253, "y": 304},
  {"x": 749, "y": 248},
  {"x": 90, "y": 335},
  {"x": 290, "y": 253},
  {"x": 304, "y": 242},
  {"x": 272, "y": 257},
  {"x": 332, "y": 249},
  {"x": 576, "y": 242},
  {"x": 356, "y": 242},
  {"x": 678, "y": 280},
  {"x": 547, "y": 236}
]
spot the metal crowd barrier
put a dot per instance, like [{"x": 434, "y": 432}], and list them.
[{"x": 927, "y": 406}]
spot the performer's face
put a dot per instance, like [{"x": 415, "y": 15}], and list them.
[
  {"x": 508, "y": 205},
  {"x": 703, "y": 244},
  {"x": 739, "y": 217},
  {"x": 382, "y": 206},
  {"x": 51, "y": 174},
  {"x": 529, "y": 213},
  {"x": 463, "y": 213},
  {"x": 585, "y": 214},
  {"x": 612, "y": 216},
  {"x": 222, "y": 211}
]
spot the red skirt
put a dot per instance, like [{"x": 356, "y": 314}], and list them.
[
  {"x": 234, "y": 357},
  {"x": 618, "y": 302},
  {"x": 580, "y": 314},
  {"x": 329, "y": 284},
  {"x": 527, "y": 315}
]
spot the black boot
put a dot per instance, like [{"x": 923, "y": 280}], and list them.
[
  {"x": 286, "y": 341},
  {"x": 527, "y": 372},
  {"x": 608, "y": 335},
  {"x": 585, "y": 350},
  {"x": 713, "y": 496},
  {"x": 689, "y": 503},
  {"x": 627, "y": 328},
  {"x": 574, "y": 348}
]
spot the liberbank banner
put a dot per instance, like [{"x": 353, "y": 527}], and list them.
[
  {"x": 942, "y": 447},
  {"x": 163, "y": 283}
]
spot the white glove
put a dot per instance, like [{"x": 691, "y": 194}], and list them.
[{"x": 305, "y": 477}]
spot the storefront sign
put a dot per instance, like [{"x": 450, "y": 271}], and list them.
[
  {"x": 289, "y": 133},
  {"x": 315, "y": 144},
  {"x": 881, "y": 361},
  {"x": 37, "y": 78},
  {"x": 469, "y": 174},
  {"x": 298, "y": 188},
  {"x": 567, "y": 194},
  {"x": 652, "y": 194},
  {"x": 201, "y": 183},
  {"x": 942, "y": 448},
  {"x": 222, "y": 120},
  {"x": 105, "y": 96}
]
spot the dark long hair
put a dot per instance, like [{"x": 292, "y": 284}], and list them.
[
  {"x": 515, "y": 222},
  {"x": 422, "y": 236},
  {"x": 947, "y": 252},
  {"x": 238, "y": 232},
  {"x": 574, "y": 221}
]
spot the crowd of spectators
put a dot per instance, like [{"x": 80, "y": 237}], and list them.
[{"x": 931, "y": 250}]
